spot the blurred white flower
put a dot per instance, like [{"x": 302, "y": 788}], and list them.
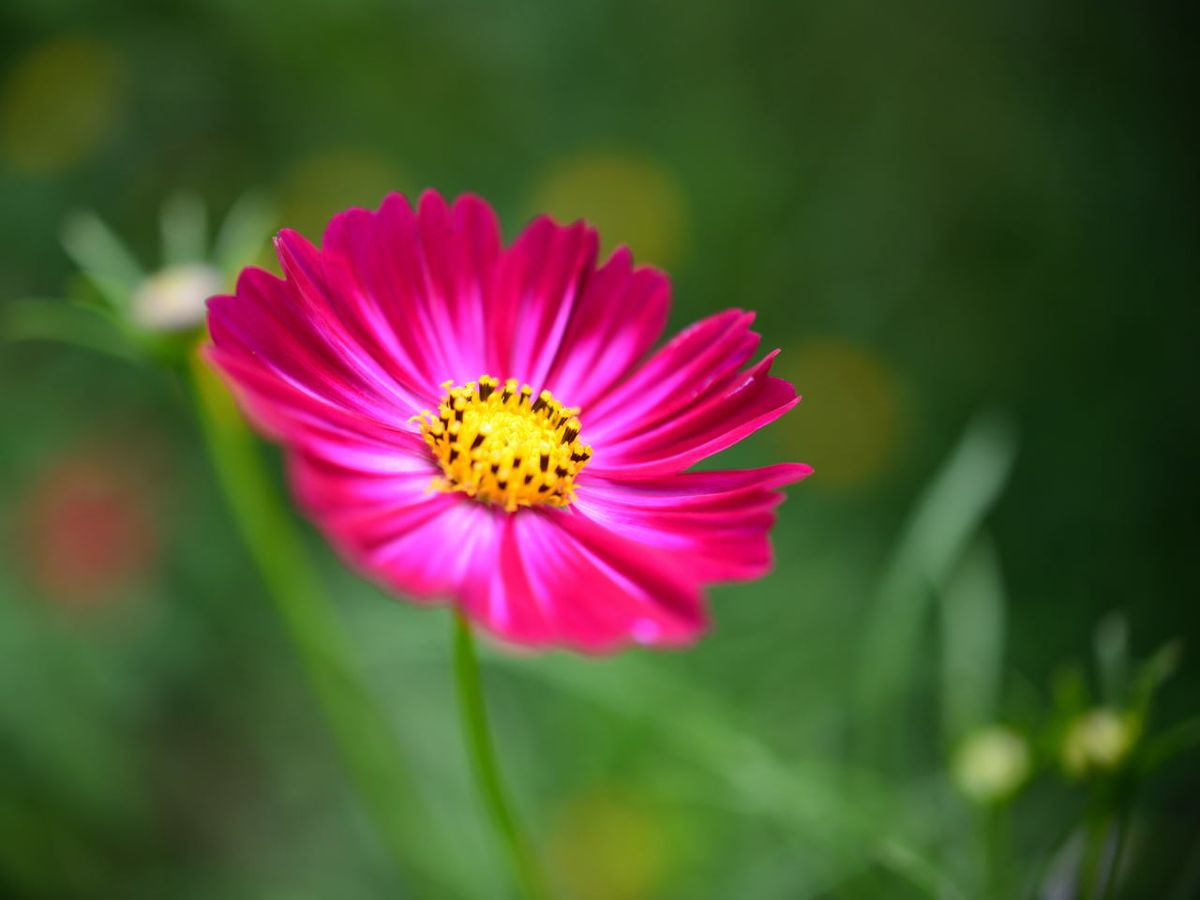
[
  {"x": 173, "y": 299},
  {"x": 170, "y": 296}
]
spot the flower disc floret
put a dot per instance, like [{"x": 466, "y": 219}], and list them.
[{"x": 501, "y": 445}]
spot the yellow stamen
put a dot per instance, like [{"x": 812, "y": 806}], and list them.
[{"x": 503, "y": 446}]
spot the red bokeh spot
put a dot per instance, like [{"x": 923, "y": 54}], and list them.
[{"x": 87, "y": 531}]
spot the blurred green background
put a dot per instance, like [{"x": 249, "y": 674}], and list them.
[{"x": 971, "y": 227}]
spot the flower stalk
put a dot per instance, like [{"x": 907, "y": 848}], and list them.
[
  {"x": 314, "y": 629},
  {"x": 481, "y": 749}
]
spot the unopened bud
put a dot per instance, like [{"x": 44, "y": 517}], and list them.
[{"x": 991, "y": 764}]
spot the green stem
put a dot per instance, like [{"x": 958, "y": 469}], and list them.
[
  {"x": 1091, "y": 869},
  {"x": 995, "y": 854},
  {"x": 362, "y": 735},
  {"x": 1120, "y": 839},
  {"x": 483, "y": 759}
]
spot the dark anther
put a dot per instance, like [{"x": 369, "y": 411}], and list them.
[
  {"x": 478, "y": 440},
  {"x": 539, "y": 403},
  {"x": 453, "y": 454},
  {"x": 542, "y": 488},
  {"x": 495, "y": 468},
  {"x": 562, "y": 473},
  {"x": 545, "y": 462},
  {"x": 458, "y": 414},
  {"x": 528, "y": 478},
  {"x": 485, "y": 390},
  {"x": 570, "y": 434},
  {"x": 503, "y": 485},
  {"x": 578, "y": 457}
]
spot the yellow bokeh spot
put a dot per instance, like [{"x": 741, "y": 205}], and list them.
[
  {"x": 59, "y": 103},
  {"x": 319, "y": 186},
  {"x": 632, "y": 200},
  {"x": 609, "y": 846},
  {"x": 849, "y": 425}
]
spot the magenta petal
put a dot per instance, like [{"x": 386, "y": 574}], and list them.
[
  {"x": 499, "y": 595},
  {"x": 588, "y": 588},
  {"x": 738, "y": 406},
  {"x": 695, "y": 488},
  {"x": 414, "y": 541},
  {"x": 717, "y": 523},
  {"x": 417, "y": 282},
  {"x": 675, "y": 376},
  {"x": 621, "y": 314},
  {"x": 537, "y": 284},
  {"x": 271, "y": 328}
]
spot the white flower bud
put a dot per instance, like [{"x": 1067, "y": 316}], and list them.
[
  {"x": 991, "y": 764},
  {"x": 1098, "y": 741}
]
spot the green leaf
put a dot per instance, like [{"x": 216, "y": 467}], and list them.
[
  {"x": 184, "y": 227},
  {"x": 102, "y": 256},
  {"x": 846, "y": 812},
  {"x": 947, "y": 515},
  {"x": 972, "y": 619},
  {"x": 1161, "y": 749},
  {"x": 1152, "y": 674},
  {"x": 1111, "y": 645},
  {"x": 67, "y": 323},
  {"x": 243, "y": 233}
]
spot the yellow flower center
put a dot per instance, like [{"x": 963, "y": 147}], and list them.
[{"x": 502, "y": 446}]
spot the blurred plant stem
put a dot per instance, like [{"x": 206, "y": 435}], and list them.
[
  {"x": 1091, "y": 867},
  {"x": 995, "y": 831},
  {"x": 481, "y": 749},
  {"x": 360, "y": 731}
]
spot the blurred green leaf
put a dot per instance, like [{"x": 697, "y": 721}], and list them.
[
  {"x": 972, "y": 618},
  {"x": 243, "y": 233},
  {"x": 102, "y": 256},
  {"x": 946, "y": 517},
  {"x": 1069, "y": 689},
  {"x": 79, "y": 759},
  {"x": 846, "y": 812},
  {"x": 184, "y": 226},
  {"x": 1152, "y": 674},
  {"x": 918, "y": 871},
  {"x": 1111, "y": 646},
  {"x": 65, "y": 322},
  {"x": 1162, "y": 748}
]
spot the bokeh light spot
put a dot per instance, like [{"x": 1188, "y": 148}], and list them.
[
  {"x": 608, "y": 845},
  {"x": 87, "y": 530},
  {"x": 631, "y": 199},
  {"x": 849, "y": 426},
  {"x": 59, "y": 103}
]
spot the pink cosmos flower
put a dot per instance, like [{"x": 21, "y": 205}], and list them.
[{"x": 490, "y": 425}]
